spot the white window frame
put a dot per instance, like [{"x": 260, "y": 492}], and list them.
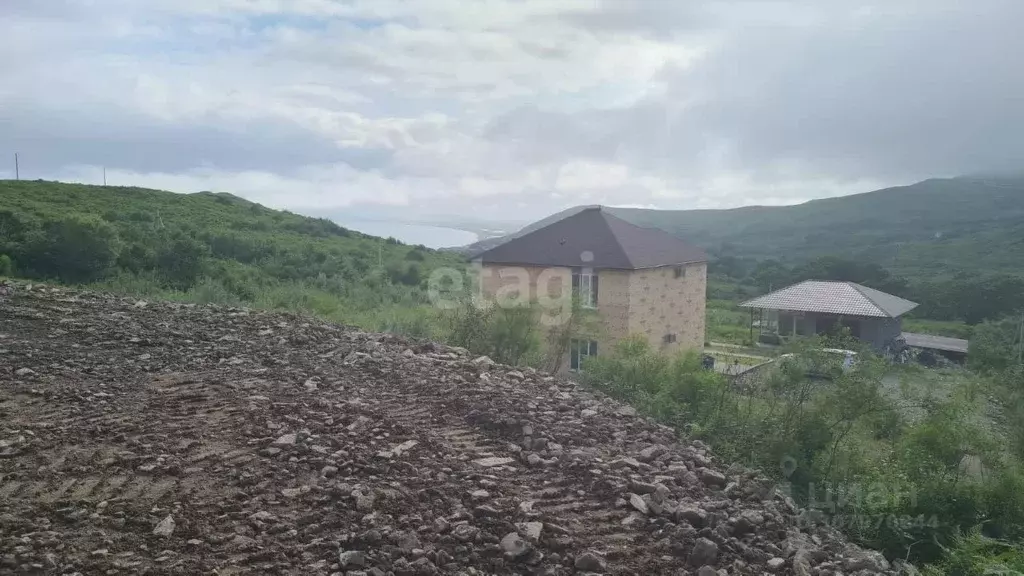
[
  {"x": 585, "y": 280},
  {"x": 579, "y": 350}
]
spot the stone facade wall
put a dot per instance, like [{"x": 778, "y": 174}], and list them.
[
  {"x": 613, "y": 308},
  {"x": 501, "y": 277},
  {"x": 881, "y": 331},
  {"x": 606, "y": 325},
  {"x": 650, "y": 302},
  {"x": 661, "y": 304}
]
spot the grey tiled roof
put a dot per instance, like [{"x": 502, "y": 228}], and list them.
[
  {"x": 594, "y": 238},
  {"x": 829, "y": 297}
]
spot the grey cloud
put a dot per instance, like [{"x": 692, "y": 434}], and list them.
[
  {"x": 539, "y": 136},
  {"x": 920, "y": 95},
  {"x": 897, "y": 96},
  {"x": 659, "y": 18},
  {"x": 49, "y": 140},
  {"x": 788, "y": 91},
  {"x": 58, "y": 9}
]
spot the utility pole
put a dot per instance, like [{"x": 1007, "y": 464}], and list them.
[
  {"x": 1020, "y": 345},
  {"x": 104, "y": 175},
  {"x": 17, "y": 171}
]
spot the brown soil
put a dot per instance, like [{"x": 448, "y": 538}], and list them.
[{"x": 278, "y": 444}]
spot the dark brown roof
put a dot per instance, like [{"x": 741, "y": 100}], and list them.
[{"x": 597, "y": 239}]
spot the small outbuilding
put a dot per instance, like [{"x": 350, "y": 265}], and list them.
[{"x": 817, "y": 307}]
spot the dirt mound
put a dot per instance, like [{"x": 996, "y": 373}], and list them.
[{"x": 147, "y": 437}]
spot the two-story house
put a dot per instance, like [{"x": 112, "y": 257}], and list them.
[{"x": 636, "y": 280}]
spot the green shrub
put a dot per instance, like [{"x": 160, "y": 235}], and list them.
[
  {"x": 994, "y": 345},
  {"x": 142, "y": 284},
  {"x": 13, "y": 228},
  {"x": 508, "y": 335},
  {"x": 211, "y": 291},
  {"x": 413, "y": 322},
  {"x": 467, "y": 325},
  {"x": 180, "y": 261},
  {"x": 76, "y": 249},
  {"x": 977, "y": 555}
]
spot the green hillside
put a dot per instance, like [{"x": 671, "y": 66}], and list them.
[
  {"x": 928, "y": 229},
  {"x": 217, "y": 244}
]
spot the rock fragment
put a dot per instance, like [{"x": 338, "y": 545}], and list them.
[
  {"x": 514, "y": 546},
  {"x": 286, "y": 440},
  {"x": 704, "y": 552},
  {"x": 624, "y": 463},
  {"x": 532, "y": 531},
  {"x": 492, "y": 461},
  {"x": 465, "y": 532},
  {"x": 351, "y": 558},
  {"x": 638, "y": 503},
  {"x": 165, "y": 528},
  {"x": 711, "y": 477},
  {"x": 590, "y": 562}
]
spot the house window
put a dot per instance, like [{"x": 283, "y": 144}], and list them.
[
  {"x": 669, "y": 338},
  {"x": 584, "y": 285},
  {"x": 680, "y": 271},
  {"x": 580, "y": 350}
]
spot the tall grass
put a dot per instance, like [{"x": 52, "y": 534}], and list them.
[
  {"x": 385, "y": 309},
  {"x": 844, "y": 446},
  {"x": 728, "y": 323},
  {"x": 510, "y": 335},
  {"x": 950, "y": 328}
]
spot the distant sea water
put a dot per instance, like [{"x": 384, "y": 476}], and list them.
[{"x": 429, "y": 236}]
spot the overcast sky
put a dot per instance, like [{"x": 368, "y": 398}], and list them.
[{"x": 511, "y": 109}]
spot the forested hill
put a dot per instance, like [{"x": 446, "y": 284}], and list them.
[
  {"x": 930, "y": 228},
  {"x": 81, "y": 234},
  {"x": 926, "y": 230}
]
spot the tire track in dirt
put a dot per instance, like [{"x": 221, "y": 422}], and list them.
[
  {"x": 169, "y": 438},
  {"x": 541, "y": 494}
]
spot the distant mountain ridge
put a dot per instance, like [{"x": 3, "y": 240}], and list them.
[
  {"x": 932, "y": 228},
  {"x": 488, "y": 243}
]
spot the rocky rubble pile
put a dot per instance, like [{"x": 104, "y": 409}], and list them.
[{"x": 167, "y": 438}]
